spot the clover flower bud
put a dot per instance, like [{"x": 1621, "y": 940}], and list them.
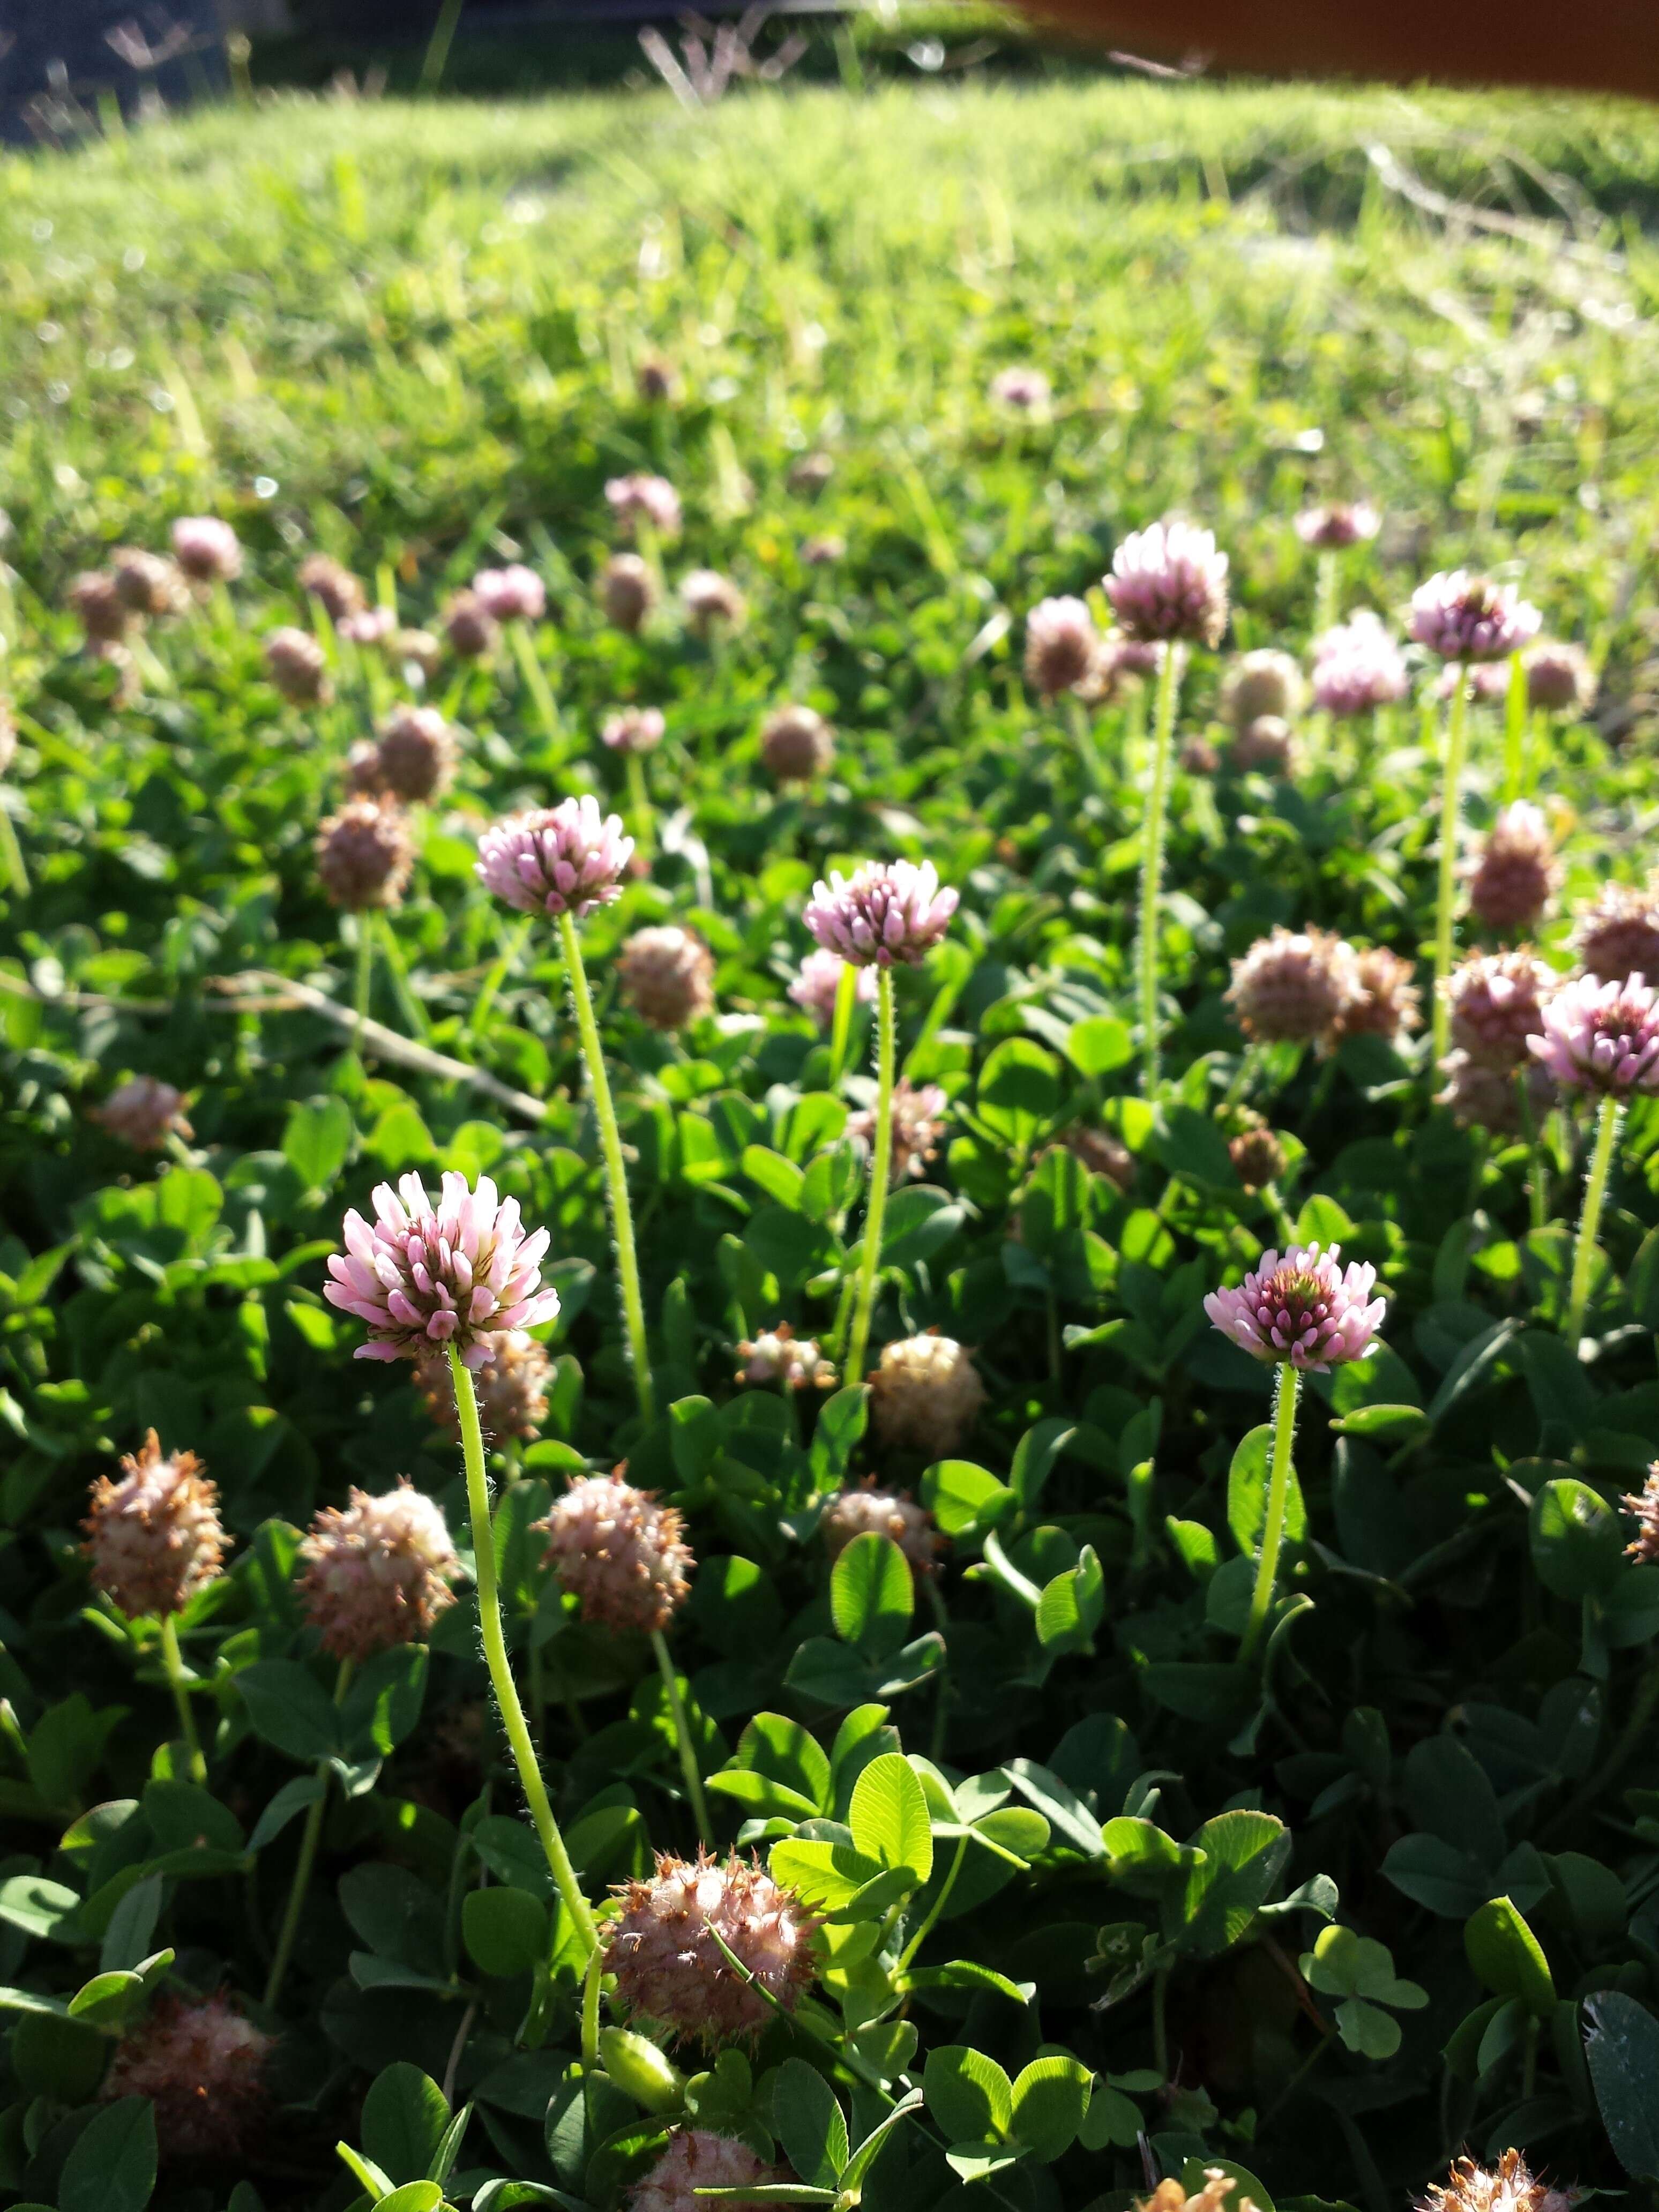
[
  {"x": 863, "y": 1509},
  {"x": 1515, "y": 874},
  {"x": 332, "y": 585},
  {"x": 1062, "y": 645},
  {"x": 1266, "y": 746},
  {"x": 667, "y": 977},
  {"x": 885, "y": 911},
  {"x": 1643, "y": 1506},
  {"x": 1357, "y": 668},
  {"x": 797, "y": 744},
  {"x": 918, "y": 1117},
  {"x": 511, "y": 1388},
  {"x": 1293, "y": 986},
  {"x": 696, "y": 2159},
  {"x": 1510, "y": 2186},
  {"x": 207, "y": 549},
  {"x": 416, "y": 754},
  {"x": 627, "y": 591},
  {"x": 1617, "y": 935},
  {"x": 1601, "y": 1037},
  {"x": 470, "y": 629},
  {"x": 202, "y": 2066},
  {"x": 1169, "y": 582},
  {"x": 1497, "y": 1002},
  {"x": 1341, "y": 524},
  {"x": 296, "y": 663},
  {"x": 1258, "y": 1157},
  {"x": 809, "y": 474},
  {"x": 364, "y": 855},
  {"x": 1463, "y": 617},
  {"x": 1265, "y": 682},
  {"x": 1385, "y": 1003},
  {"x": 99, "y": 607},
  {"x": 926, "y": 1394},
  {"x": 147, "y": 584},
  {"x": 514, "y": 594},
  {"x": 618, "y": 1551},
  {"x": 1301, "y": 1311},
  {"x": 818, "y": 983},
  {"x": 634, "y": 730},
  {"x": 1560, "y": 678},
  {"x": 652, "y": 498},
  {"x": 425, "y": 1277},
  {"x": 153, "y": 1537},
  {"x": 378, "y": 1571},
  {"x": 710, "y": 598},
  {"x": 1027, "y": 391},
  {"x": 143, "y": 1112},
  {"x": 567, "y": 858},
  {"x": 669, "y": 1967},
  {"x": 778, "y": 1355}
]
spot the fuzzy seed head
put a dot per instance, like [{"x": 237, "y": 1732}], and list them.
[
  {"x": 1169, "y": 581},
  {"x": 147, "y": 584},
  {"x": 99, "y": 607},
  {"x": 778, "y": 1355},
  {"x": 667, "y": 977},
  {"x": 416, "y": 754},
  {"x": 1516, "y": 873},
  {"x": 143, "y": 1112},
  {"x": 1341, "y": 524},
  {"x": 470, "y": 629},
  {"x": 669, "y": 1967},
  {"x": 651, "y": 499},
  {"x": 696, "y": 2159},
  {"x": 297, "y": 666},
  {"x": 1497, "y": 1002},
  {"x": 710, "y": 598},
  {"x": 1479, "y": 1096},
  {"x": 1560, "y": 678},
  {"x": 926, "y": 1394},
  {"x": 1386, "y": 1002},
  {"x": 207, "y": 549},
  {"x": 620, "y": 1553},
  {"x": 1617, "y": 935},
  {"x": 1358, "y": 668},
  {"x": 918, "y": 1117},
  {"x": 1293, "y": 986},
  {"x": 1643, "y": 1506},
  {"x": 886, "y": 911},
  {"x": 797, "y": 744},
  {"x": 378, "y": 1571},
  {"x": 627, "y": 591},
  {"x": 424, "y": 1277},
  {"x": 511, "y": 1388},
  {"x": 1601, "y": 1037},
  {"x": 1301, "y": 1311},
  {"x": 1063, "y": 646},
  {"x": 202, "y": 2066},
  {"x": 567, "y": 858},
  {"x": 1267, "y": 681},
  {"x": 1509, "y": 2187},
  {"x": 515, "y": 593},
  {"x": 364, "y": 855},
  {"x": 1258, "y": 1157},
  {"x": 1266, "y": 746},
  {"x": 153, "y": 1537},
  {"x": 1463, "y": 617},
  {"x": 634, "y": 730},
  {"x": 333, "y": 587},
  {"x": 819, "y": 980},
  {"x": 863, "y": 1509}
]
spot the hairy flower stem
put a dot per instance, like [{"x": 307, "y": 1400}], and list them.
[
  {"x": 309, "y": 1837},
  {"x": 1278, "y": 1491},
  {"x": 1451, "y": 782},
  {"x": 616, "y": 1174},
  {"x": 501, "y": 1666},
  {"x": 683, "y": 1737},
  {"x": 880, "y": 1163},
  {"x": 1608, "y": 1117},
  {"x": 846, "y": 992},
  {"x": 1152, "y": 864},
  {"x": 12, "y": 869},
  {"x": 173, "y": 1661},
  {"x": 513, "y": 944},
  {"x": 535, "y": 679},
  {"x": 639, "y": 802},
  {"x": 1083, "y": 736}
]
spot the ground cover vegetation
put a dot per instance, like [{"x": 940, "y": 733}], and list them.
[{"x": 829, "y": 1156}]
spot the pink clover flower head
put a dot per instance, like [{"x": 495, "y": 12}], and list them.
[
  {"x": 1600, "y": 1036},
  {"x": 424, "y": 1277},
  {"x": 1024, "y": 389},
  {"x": 1061, "y": 645},
  {"x": 1169, "y": 582},
  {"x": 1357, "y": 666},
  {"x": 567, "y": 858},
  {"x": 515, "y": 593},
  {"x": 1340, "y": 523},
  {"x": 207, "y": 549},
  {"x": 887, "y": 911},
  {"x": 1466, "y": 617},
  {"x": 369, "y": 626},
  {"x": 1301, "y": 1311},
  {"x": 817, "y": 984},
  {"x": 654, "y": 497},
  {"x": 634, "y": 730}
]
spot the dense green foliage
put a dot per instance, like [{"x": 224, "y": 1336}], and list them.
[{"x": 1332, "y": 1920}]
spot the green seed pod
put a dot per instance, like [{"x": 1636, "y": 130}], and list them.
[{"x": 638, "y": 2067}]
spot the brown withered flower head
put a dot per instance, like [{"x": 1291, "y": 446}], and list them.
[
  {"x": 926, "y": 1394},
  {"x": 628, "y": 590},
  {"x": 696, "y": 2159},
  {"x": 202, "y": 2066},
  {"x": 296, "y": 664},
  {"x": 1644, "y": 1506},
  {"x": 865, "y": 1510},
  {"x": 1497, "y": 1002},
  {"x": 147, "y": 583},
  {"x": 1266, "y": 746},
  {"x": 333, "y": 587},
  {"x": 1515, "y": 872},
  {"x": 620, "y": 1553},
  {"x": 378, "y": 1571},
  {"x": 153, "y": 1537},
  {"x": 918, "y": 1118},
  {"x": 797, "y": 744},
  {"x": 364, "y": 855},
  {"x": 511, "y": 1388},
  {"x": 416, "y": 755},
  {"x": 1509, "y": 2187},
  {"x": 1386, "y": 1001},
  {"x": 1101, "y": 1152},
  {"x": 1618, "y": 934},
  {"x": 778, "y": 1355},
  {"x": 143, "y": 1112},
  {"x": 1257, "y": 1155},
  {"x": 99, "y": 607},
  {"x": 667, "y": 977},
  {"x": 1293, "y": 986},
  {"x": 669, "y": 1967},
  {"x": 469, "y": 626}
]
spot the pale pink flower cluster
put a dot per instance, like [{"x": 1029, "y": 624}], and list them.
[
  {"x": 369, "y": 626},
  {"x": 378, "y": 1571},
  {"x": 667, "y": 975},
  {"x": 1558, "y": 677},
  {"x": 653, "y": 498},
  {"x": 886, "y": 911},
  {"x": 916, "y": 1119},
  {"x": 865, "y": 1510},
  {"x": 696, "y": 2159},
  {"x": 515, "y": 593},
  {"x": 333, "y": 587},
  {"x": 1062, "y": 645},
  {"x": 1026, "y": 389},
  {"x": 1463, "y": 617},
  {"x": 1356, "y": 667},
  {"x": 817, "y": 984},
  {"x": 1341, "y": 524},
  {"x": 926, "y": 1394},
  {"x": 634, "y": 730},
  {"x": 778, "y": 1355},
  {"x": 207, "y": 549},
  {"x": 710, "y": 598},
  {"x": 1294, "y": 986},
  {"x": 154, "y": 1537},
  {"x": 622, "y": 1555},
  {"x": 1301, "y": 1311},
  {"x": 1617, "y": 935},
  {"x": 201, "y": 2065},
  {"x": 669, "y": 1967},
  {"x": 424, "y": 1277},
  {"x": 1515, "y": 872},
  {"x": 1495, "y": 1001},
  {"x": 1600, "y": 1036},
  {"x": 567, "y": 858},
  {"x": 1169, "y": 582}
]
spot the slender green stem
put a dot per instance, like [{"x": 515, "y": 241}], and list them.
[
  {"x": 622, "y": 1218},
  {"x": 403, "y": 990},
  {"x": 846, "y": 993},
  {"x": 13, "y": 867},
  {"x": 1326, "y": 591},
  {"x": 880, "y": 1163},
  {"x": 310, "y": 1835},
  {"x": 172, "y": 1660},
  {"x": 936, "y": 1907},
  {"x": 1278, "y": 1491},
  {"x": 513, "y": 944},
  {"x": 437, "y": 53},
  {"x": 1608, "y": 1117},
  {"x": 535, "y": 679},
  {"x": 590, "y": 1981},
  {"x": 501, "y": 1666},
  {"x": 1152, "y": 864},
  {"x": 1515, "y": 736},
  {"x": 1083, "y": 736},
  {"x": 639, "y": 805},
  {"x": 365, "y": 971},
  {"x": 682, "y": 1736},
  {"x": 1634, "y": 1732},
  {"x": 1457, "y": 723}
]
